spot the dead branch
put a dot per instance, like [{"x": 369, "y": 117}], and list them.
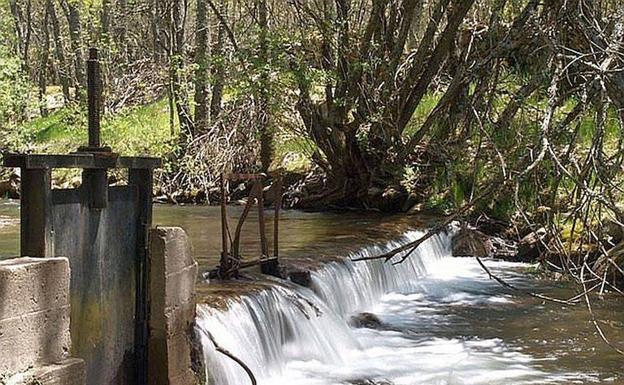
[{"x": 227, "y": 353}]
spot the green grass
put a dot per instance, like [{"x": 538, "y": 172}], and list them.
[
  {"x": 142, "y": 130},
  {"x": 424, "y": 108}
]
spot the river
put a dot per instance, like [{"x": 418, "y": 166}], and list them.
[{"x": 442, "y": 320}]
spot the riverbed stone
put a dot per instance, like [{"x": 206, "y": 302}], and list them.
[
  {"x": 531, "y": 246},
  {"x": 469, "y": 242},
  {"x": 366, "y": 320}
]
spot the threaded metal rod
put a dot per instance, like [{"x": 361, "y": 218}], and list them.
[{"x": 93, "y": 97}]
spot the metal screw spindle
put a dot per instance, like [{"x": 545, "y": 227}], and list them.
[{"x": 93, "y": 96}]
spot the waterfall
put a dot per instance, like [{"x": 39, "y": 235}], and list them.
[{"x": 270, "y": 328}]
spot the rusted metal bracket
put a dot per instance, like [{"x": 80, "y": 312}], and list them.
[{"x": 231, "y": 261}]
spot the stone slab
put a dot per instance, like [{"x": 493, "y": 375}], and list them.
[
  {"x": 68, "y": 372},
  {"x": 33, "y": 284},
  {"x": 170, "y": 250},
  {"x": 34, "y": 338},
  {"x": 180, "y": 286}
]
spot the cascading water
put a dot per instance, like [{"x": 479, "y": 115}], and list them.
[{"x": 294, "y": 335}]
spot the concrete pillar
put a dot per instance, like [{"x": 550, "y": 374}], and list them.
[
  {"x": 171, "y": 307},
  {"x": 34, "y": 323}
]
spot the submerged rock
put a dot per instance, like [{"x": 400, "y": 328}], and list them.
[
  {"x": 370, "y": 382},
  {"x": 365, "y": 320},
  {"x": 301, "y": 277}
]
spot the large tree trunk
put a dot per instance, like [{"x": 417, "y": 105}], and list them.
[{"x": 23, "y": 29}]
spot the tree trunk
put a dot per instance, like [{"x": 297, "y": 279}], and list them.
[
  {"x": 104, "y": 32},
  {"x": 23, "y": 30},
  {"x": 201, "y": 62},
  {"x": 121, "y": 29},
  {"x": 218, "y": 67},
  {"x": 177, "y": 35},
  {"x": 72, "y": 14},
  {"x": 43, "y": 65},
  {"x": 263, "y": 113},
  {"x": 58, "y": 50}
]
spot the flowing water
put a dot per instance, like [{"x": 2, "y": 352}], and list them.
[{"x": 442, "y": 321}]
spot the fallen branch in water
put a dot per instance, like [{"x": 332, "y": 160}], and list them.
[
  {"x": 227, "y": 353},
  {"x": 412, "y": 246},
  {"x": 512, "y": 287},
  {"x": 591, "y": 313}
]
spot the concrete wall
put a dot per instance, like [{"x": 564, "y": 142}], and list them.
[
  {"x": 34, "y": 323},
  {"x": 172, "y": 308}
]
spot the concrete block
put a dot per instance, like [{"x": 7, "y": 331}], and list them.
[
  {"x": 171, "y": 358},
  {"x": 173, "y": 273},
  {"x": 185, "y": 378},
  {"x": 175, "y": 320},
  {"x": 178, "y": 354},
  {"x": 170, "y": 249},
  {"x": 180, "y": 286},
  {"x": 33, "y": 284},
  {"x": 30, "y": 339},
  {"x": 34, "y": 312},
  {"x": 68, "y": 372}
]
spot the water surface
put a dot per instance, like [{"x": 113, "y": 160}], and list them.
[{"x": 452, "y": 326}]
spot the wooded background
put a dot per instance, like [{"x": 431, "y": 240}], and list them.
[{"x": 505, "y": 109}]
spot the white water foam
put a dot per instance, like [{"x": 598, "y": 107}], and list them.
[{"x": 294, "y": 335}]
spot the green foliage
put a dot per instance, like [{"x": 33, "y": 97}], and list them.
[
  {"x": 136, "y": 131},
  {"x": 14, "y": 86},
  {"x": 426, "y": 106}
]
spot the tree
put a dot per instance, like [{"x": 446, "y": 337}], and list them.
[
  {"x": 262, "y": 105},
  {"x": 201, "y": 66},
  {"x": 177, "y": 25},
  {"x": 61, "y": 65},
  {"x": 374, "y": 86},
  {"x": 72, "y": 13}
]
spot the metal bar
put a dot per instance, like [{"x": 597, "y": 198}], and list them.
[
  {"x": 36, "y": 234},
  {"x": 93, "y": 97},
  {"x": 142, "y": 180},
  {"x": 224, "y": 236},
  {"x": 262, "y": 224},
  {"x": 241, "y": 220},
  {"x": 276, "y": 216}
]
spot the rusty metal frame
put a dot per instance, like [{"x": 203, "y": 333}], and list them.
[{"x": 231, "y": 260}]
